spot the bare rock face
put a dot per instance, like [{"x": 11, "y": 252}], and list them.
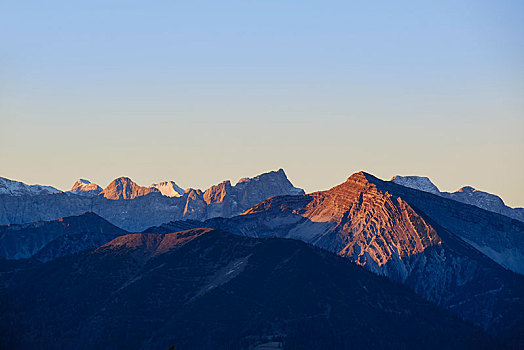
[
  {"x": 355, "y": 220},
  {"x": 194, "y": 204},
  {"x": 83, "y": 186},
  {"x": 225, "y": 200},
  {"x": 125, "y": 188},
  {"x": 375, "y": 227},
  {"x": 366, "y": 214},
  {"x": 273, "y": 182},
  {"x": 441, "y": 248},
  {"x": 221, "y": 200},
  {"x": 218, "y": 193},
  {"x": 421, "y": 183}
]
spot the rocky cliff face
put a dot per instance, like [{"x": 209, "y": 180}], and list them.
[
  {"x": 125, "y": 188},
  {"x": 47, "y": 240},
  {"x": 82, "y": 186},
  {"x": 224, "y": 200},
  {"x": 466, "y": 194},
  {"x": 448, "y": 252},
  {"x": 497, "y": 236},
  {"x": 135, "y": 208},
  {"x": 424, "y": 241},
  {"x": 355, "y": 220},
  {"x": 206, "y": 289}
]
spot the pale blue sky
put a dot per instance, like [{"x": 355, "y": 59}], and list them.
[{"x": 201, "y": 91}]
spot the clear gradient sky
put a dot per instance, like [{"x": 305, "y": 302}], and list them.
[{"x": 202, "y": 91}]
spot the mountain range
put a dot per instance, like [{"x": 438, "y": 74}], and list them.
[
  {"x": 47, "y": 240},
  {"x": 453, "y": 254},
  {"x": 135, "y": 208},
  {"x": 17, "y": 188},
  {"x": 207, "y": 289},
  {"x": 466, "y": 194},
  {"x": 252, "y": 249}
]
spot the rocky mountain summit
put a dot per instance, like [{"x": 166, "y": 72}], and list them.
[
  {"x": 370, "y": 226},
  {"x": 17, "y": 188},
  {"x": 421, "y": 183},
  {"x": 207, "y": 289},
  {"x": 226, "y": 200},
  {"x": 135, "y": 208},
  {"x": 82, "y": 186},
  {"x": 467, "y": 194},
  {"x": 463, "y": 258},
  {"x": 450, "y": 253},
  {"x": 125, "y": 188},
  {"x": 169, "y": 189}
]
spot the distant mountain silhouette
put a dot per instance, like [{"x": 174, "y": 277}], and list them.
[
  {"x": 86, "y": 187},
  {"x": 17, "y": 188},
  {"x": 466, "y": 194},
  {"x": 47, "y": 240},
  {"x": 125, "y": 188},
  {"x": 135, "y": 208}
]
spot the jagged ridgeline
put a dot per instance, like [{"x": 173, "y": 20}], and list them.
[
  {"x": 135, "y": 208},
  {"x": 464, "y": 255},
  {"x": 453, "y": 254}
]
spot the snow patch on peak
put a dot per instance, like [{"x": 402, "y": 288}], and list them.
[
  {"x": 17, "y": 188},
  {"x": 83, "y": 186},
  {"x": 169, "y": 189},
  {"x": 420, "y": 183},
  {"x": 481, "y": 199},
  {"x": 467, "y": 194}
]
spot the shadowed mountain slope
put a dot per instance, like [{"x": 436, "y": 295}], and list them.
[
  {"x": 203, "y": 289},
  {"x": 47, "y": 240},
  {"x": 466, "y": 194},
  {"x": 424, "y": 241}
]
